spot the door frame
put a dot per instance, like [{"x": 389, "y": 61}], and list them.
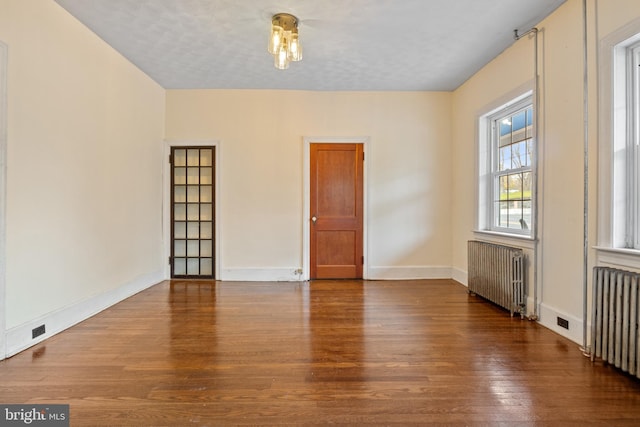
[
  {"x": 306, "y": 197},
  {"x": 3, "y": 198},
  {"x": 166, "y": 201}
]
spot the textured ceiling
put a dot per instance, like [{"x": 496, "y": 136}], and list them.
[{"x": 348, "y": 44}]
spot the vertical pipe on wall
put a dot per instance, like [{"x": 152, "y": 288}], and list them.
[
  {"x": 536, "y": 112},
  {"x": 585, "y": 272}
]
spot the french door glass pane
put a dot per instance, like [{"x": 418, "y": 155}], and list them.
[
  {"x": 206, "y": 157},
  {"x": 179, "y": 230},
  {"x": 206, "y": 194},
  {"x": 193, "y": 267},
  {"x": 180, "y": 248},
  {"x": 206, "y": 248},
  {"x": 180, "y": 212},
  {"x": 206, "y": 266},
  {"x": 206, "y": 230},
  {"x": 193, "y": 248},
  {"x": 179, "y": 266}
]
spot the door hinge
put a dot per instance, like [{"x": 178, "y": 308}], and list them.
[
  {"x": 169, "y": 260},
  {"x": 363, "y": 260},
  {"x": 170, "y": 159},
  {"x": 363, "y": 156}
]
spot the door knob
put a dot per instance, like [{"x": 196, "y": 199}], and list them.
[{"x": 314, "y": 219}]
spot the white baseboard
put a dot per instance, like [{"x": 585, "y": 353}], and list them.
[
  {"x": 549, "y": 319},
  {"x": 291, "y": 274},
  {"x": 460, "y": 276},
  {"x": 19, "y": 337},
  {"x": 408, "y": 273}
]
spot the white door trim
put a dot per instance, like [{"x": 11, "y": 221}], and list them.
[
  {"x": 306, "y": 202},
  {"x": 166, "y": 200},
  {"x": 3, "y": 199}
]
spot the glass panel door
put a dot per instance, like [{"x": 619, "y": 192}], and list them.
[{"x": 192, "y": 212}]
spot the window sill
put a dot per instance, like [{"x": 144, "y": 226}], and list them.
[
  {"x": 526, "y": 242},
  {"x": 618, "y": 257}
]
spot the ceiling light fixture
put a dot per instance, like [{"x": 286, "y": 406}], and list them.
[{"x": 284, "y": 44}]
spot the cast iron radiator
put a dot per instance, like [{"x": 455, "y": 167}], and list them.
[{"x": 496, "y": 272}]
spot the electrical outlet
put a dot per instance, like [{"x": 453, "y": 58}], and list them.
[
  {"x": 36, "y": 332},
  {"x": 563, "y": 323}
]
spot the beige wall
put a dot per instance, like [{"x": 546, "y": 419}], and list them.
[
  {"x": 561, "y": 141},
  {"x": 261, "y": 135},
  {"x": 84, "y": 152}
]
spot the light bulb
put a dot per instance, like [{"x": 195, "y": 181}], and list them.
[
  {"x": 281, "y": 57},
  {"x": 277, "y": 34},
  {"x": 295, "y": 48}
]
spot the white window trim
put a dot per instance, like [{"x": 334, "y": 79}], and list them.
[
  {"x": 613, "y": 185},
  {"x": 485, "y": 150}
]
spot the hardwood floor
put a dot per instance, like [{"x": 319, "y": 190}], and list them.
[{"x": 325, "y": 352}]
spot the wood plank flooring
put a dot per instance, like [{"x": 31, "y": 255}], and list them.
[{"x": 318, "y": 353}]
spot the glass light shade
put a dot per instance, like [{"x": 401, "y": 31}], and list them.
[
  {"x": 282, "y": 57},
  {"x": 275, "y": 41},
  {"x": 295, "y": 48}
]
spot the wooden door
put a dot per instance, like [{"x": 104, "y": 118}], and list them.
[{"x": 336, "y": 211}]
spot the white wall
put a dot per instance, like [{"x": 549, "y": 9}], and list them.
[
  {"x": 84, "y": 191},
  {"x": 561, "y": 140},
  {"x": 261, "y": 135}
]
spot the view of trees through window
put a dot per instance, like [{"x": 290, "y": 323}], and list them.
[{"x": 512, "y": 169}]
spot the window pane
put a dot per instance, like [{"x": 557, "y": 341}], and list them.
[
  {"x": 518, "y": 122},
  {"x": 527, "y": 186},
  {"x": 505, "y": 132},
  {"x": 526, "y": 215},
  {"x": 515, "y": 186},
  {"x": 503, "y": 185},
  {"x": 530, "y": 123},
  {"x": 519, "y": 154},
  {"x": 504, "y": 161},
  {"x": 515, "y": 215},
  {"x": 502, "y": 219}
]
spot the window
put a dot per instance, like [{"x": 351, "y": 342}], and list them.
[
  {"x": 506, "y": 173},
  {"x": 626, "y": 140}
]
